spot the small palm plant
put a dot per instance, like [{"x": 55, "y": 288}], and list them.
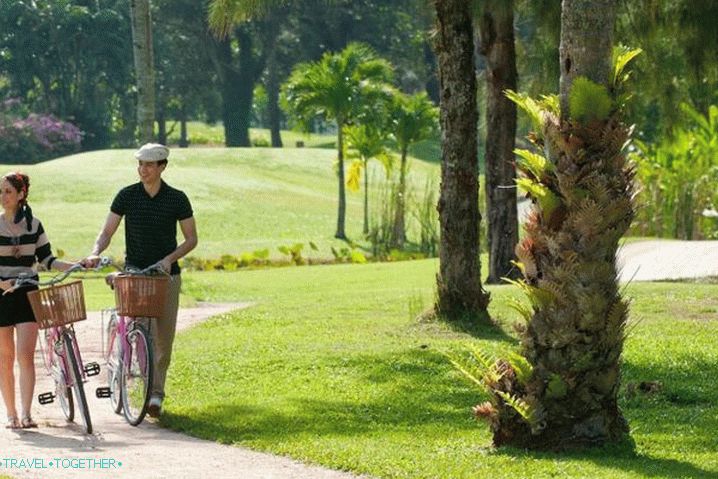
[
  {"x": 343, "y": 87},
  {"x": 414, "y": 118},
  {"x": 366, "y": 142}
]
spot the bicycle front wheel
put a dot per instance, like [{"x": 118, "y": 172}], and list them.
[
  {"x": 60, "y": 376},
  {"x": 114, "y": 364},
  {"x": 136, "y": 378},
  {"x": 76, "y": 377}
]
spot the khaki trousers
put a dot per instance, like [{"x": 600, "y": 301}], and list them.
[{"x": 163, "y": 335}]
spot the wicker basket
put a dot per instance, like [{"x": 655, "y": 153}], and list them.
[
  {"x": 58, "y": 305},
  {"x": 141, "y": 296}
]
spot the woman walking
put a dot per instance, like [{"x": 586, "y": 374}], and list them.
[{"x": 23, "y": 244}]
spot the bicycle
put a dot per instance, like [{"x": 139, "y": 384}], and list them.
[
  {"x": 127, "y": 348},
  {"x": 56, "y": 308}
]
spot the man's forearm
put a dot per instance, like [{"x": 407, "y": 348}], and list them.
[
  {"x": 185, "y": 247},
  {"x": 101, "y": 244}
]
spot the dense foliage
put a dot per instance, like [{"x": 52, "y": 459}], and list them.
[{"x": 72, "y": 58}]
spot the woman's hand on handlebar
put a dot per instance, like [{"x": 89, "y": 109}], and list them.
[{"x": 6, "y": 285}]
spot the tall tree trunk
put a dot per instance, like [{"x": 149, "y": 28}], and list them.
[
  {"x": 399, "y": 233},
  {"x": 275, "y": 114},
  {"x": 366, "y": 196},
  {"x": 183, "y": 141},
  {"x": 144, "y": 67},
  {"x": 574, "y": 337},
  {"x": 237, "y": 80},
  {"x": 250, "y": 68},
  {"x": 161, "y": 125},
  {"x": 497, "y": 45},
  {"x": 269, "y": 40},
  {"x": 459, "y": 283},
  {"x": 341, "y": 213}
]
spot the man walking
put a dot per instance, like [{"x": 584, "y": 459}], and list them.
[{"x": 152, "y": 209}]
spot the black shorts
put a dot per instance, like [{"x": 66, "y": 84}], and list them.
[{"x": 15, "y": 307}]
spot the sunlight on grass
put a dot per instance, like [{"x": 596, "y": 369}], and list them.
[{"x": 331, "y": 367}]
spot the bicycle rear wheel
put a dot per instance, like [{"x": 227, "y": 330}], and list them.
[
  {"x": 136, "y": 378},
  {"x": 77, "y": 386},
  {"x": 114, "y": 364}
]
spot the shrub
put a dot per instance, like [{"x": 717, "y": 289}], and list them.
[
  {"x": 35, "y": 138},
  {"x": 260, "y": 142}
]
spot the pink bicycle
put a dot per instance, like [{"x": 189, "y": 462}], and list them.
[
  {"x": 56, "y": 308},
  {"x": 127, "y": 345}
]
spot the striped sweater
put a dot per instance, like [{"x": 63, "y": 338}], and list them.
[{"x": 20, "y": 253}]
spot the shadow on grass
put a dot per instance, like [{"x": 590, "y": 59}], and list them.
[
  {"x": 617, "y": 457},
  {"x": 394, "y": 391},
  {"x": 479, "y": 326},
  {"x": 414, "y": 391}
]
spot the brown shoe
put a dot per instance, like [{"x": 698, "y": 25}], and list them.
[{"x": 154, "y": 408}]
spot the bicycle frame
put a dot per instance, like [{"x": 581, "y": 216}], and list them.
[
  {"x": 125, "y": 324},
  {"x": 54, "y": 347},
  {"x": 128, "y": 354}
]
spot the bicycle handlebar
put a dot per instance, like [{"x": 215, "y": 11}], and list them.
[
  {"x": 157, "y": 267},
  {"x": 25, "y": 279}
]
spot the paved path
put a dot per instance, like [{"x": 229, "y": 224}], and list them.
[
  {"x": 667, "y": 259},
  {"x": 144, "y": 451}
]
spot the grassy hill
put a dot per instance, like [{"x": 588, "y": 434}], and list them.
[{"x": 244, "y": 198}]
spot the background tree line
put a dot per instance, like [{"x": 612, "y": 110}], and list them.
[{"x": 71, "y": 58}]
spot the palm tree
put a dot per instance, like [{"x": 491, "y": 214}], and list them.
[
  {"x": 144, "y": 67},
  {"x": 414, "y": 118},
  {"x": 496, "y": 26},
  {"x": 342, "y": 87},
  {"x": 562, "y": 390},
  {"x": 458, "y": 283},
  {"x": 368, "y": 142}
]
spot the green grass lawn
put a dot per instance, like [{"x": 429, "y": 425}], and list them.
[
  {"x": 203, "y": 134},
  {"x": 330, "y": 367},
  {"x": 244, "y": 198}
]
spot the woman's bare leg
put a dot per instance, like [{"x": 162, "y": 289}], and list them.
[
  {"x": 26, "y": 341},
  {"x": 7, "y": 375}
]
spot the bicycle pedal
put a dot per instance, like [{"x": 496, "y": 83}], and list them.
[
  {"x": 92, "y": 369},
  {"x": 45, "y": 398},
  {"x": 103, "y": 392}
]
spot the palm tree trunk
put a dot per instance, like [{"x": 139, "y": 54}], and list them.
[
  {"x": 183, "y": 141},
  {"x": 497, "y": 46},
  {"x": 269, "y": 40},
  {"x": 275, "y": 114},
  {"x": 586, "y": 43},
  {"x": 161, "y": 124},
  {"x": 574, "y": 339},
  {"x": 144, "y": 67},
  {"x": 459, "y": 283},
  {"x": 341, "y": 213},
  {"x": 399, "y": 234}
]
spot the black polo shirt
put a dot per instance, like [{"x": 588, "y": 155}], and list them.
[{"x": 151, "y": 222}]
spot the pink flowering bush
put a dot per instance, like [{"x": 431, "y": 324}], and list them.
[{"x": 35, "y": 137}]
